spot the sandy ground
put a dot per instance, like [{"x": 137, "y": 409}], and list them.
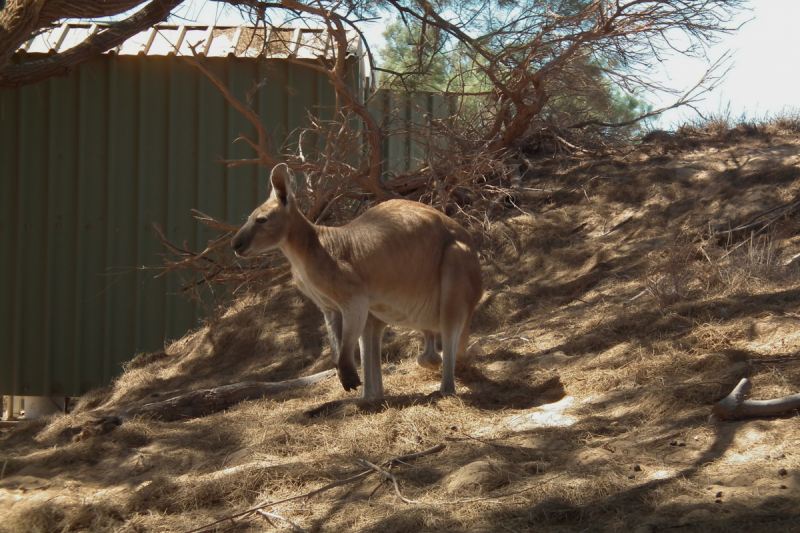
[{"x": 616, "y": 313}]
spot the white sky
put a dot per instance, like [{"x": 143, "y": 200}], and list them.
[{"x": 764, "y": 79}]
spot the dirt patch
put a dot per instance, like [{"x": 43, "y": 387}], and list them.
[{"x": 615, "y": 315}]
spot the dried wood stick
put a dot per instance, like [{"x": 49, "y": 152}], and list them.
[
  {"x": 320, "y": 490},
  {"x": 490, "y": 499},
  {"x": 794, "y": 358},
  {"x": 279, "y": 517},
  {"x": 203, "y": 402},
  {"x": 266, "y": 517},
  {"x": 409, "y": 457},
  {"x": 214, "y": 223},
  {"x": 388, "y": 476},
  {"x": 755, "y": 220}
]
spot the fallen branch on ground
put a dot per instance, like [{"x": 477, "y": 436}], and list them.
[
  {"x": 779, "y": 360},
  {"x": 204, "y": 402},
  {"x": 395, "y": 461},
  {"x": 756, "y": 226},
  {"x": 267, "y": 517},
  {"x": 736, "y": 405},
  {"x": 388, "y": 476}
]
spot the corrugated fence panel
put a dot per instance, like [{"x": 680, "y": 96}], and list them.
[
  {"x": 93, "y": 210},
  {"x": 182, "y": 169},
  {"x": 272, "y": 100},
  {"x": 326, "y": 103},
  {"x": 419, "y": 106},
  {"x": 62, "y": 214},
  {"x": 87, "y": 163},
  {"x": 397, "y": 153},
  {"x": 31, "y": 257},
  {"x": 242, "y": 185},
  {"x": 123, "y": 198},
  {"x": 400, "y": 113},
  {"x": 212, "y": 143},
  {"x": 301, "y": 98},
  {"x": 9, "y": 222},
  {"x": 153, "y": 190},
  {"x": 273, "y": 109}
]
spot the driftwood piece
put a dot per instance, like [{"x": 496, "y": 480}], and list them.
[
  {"x": 204, "y": 402},
  {"x": 736, "y": 405}
]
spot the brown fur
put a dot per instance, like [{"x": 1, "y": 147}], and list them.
[{"x": 401, "y": 263}]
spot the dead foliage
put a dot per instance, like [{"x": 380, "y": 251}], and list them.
[{"x": 615, "y": 317}]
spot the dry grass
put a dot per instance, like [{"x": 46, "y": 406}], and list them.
[{"x": 613, "y": 319}]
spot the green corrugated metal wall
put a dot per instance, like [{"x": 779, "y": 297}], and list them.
[
  {"x": 403, "y": 152},
  {"x": 87, "y": 163}
]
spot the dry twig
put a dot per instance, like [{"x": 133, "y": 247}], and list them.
[
  {"x": 267, "y": 516},
  {"x": 388, "y": 476},
  {"x": 397, "y": 460}
]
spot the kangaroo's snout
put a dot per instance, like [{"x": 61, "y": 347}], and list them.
[{"x": 238, "y": 245}]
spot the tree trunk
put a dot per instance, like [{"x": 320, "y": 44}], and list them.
[{"x": 17, "y": 22}]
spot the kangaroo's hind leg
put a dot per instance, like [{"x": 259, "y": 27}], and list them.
[
  {"x": 333, "y": 323},
  {"x": 370, "y": 344},
  {"x": 461, "y": 290},
  {"x": 429, "y": 358}
]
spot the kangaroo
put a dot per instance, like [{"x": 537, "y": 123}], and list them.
[
  {"x": 430, "y": 358},
  {"x": 401, "y": 263}
]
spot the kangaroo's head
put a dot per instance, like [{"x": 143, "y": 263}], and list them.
[{"x": 268, "y": 226}]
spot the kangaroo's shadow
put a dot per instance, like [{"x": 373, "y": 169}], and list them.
[
  {"x": 484, "y": 393},
  {"x": 513, "y": 393},
  {"x": 372, "y": 405}
]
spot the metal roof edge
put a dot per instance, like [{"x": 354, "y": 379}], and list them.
[{"x": 217, "y": 41}]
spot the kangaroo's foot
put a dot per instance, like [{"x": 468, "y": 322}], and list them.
[
  {"x": 430, "y": 360},
  {"x": 447, "y": 390},
  {"x": 349, "y": 378}
]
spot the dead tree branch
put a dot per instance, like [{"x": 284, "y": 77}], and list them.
[
  {"x": 267, "y": 516},
  {"x": 388, "y": 476},
  {"x": 205, "y": 402},
  {"x": 395, "y": 461},
  {"x": 265, "y": 157},
  {"x": 216, "y": 264},
  {"x": 736, "y": 405},
  {"x": 336, "y": 75},
  {"x": 21, "y": 19},
  {"x": 517, "y": 78}
]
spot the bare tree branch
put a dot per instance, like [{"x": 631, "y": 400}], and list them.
[{"x": 62, "y": 63}]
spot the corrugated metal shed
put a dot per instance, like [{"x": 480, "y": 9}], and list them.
[
  {"x": 89, "y": 161},
  {"x": 208, "y": 41}
]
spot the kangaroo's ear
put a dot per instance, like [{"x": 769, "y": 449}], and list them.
[{"x": 281, "y": 180}]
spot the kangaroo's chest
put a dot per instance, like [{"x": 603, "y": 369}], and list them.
[{"x": 314, "y": 291}]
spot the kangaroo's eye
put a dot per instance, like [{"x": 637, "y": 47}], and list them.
[{"x": 261, "y": 219}]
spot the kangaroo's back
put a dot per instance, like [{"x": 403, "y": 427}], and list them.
[{"x": 395, "y": 243}]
